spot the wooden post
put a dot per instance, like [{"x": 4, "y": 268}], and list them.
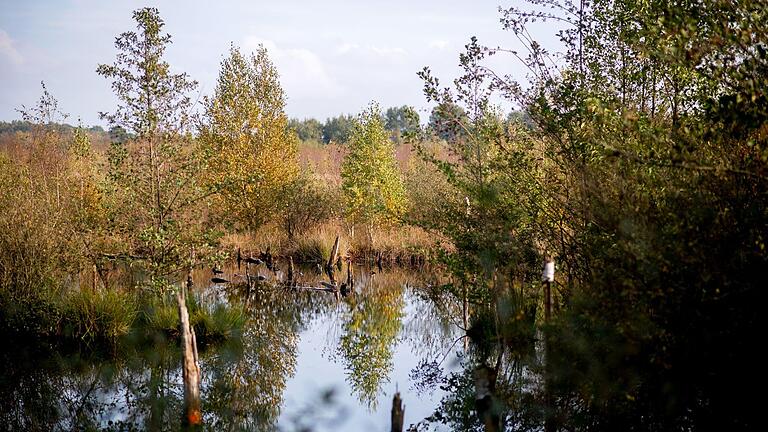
[
  {"x": 239, "y": 259},
  {"x": 398, "y": 413},
  {"x": 334, "y": 253},
  {"x": 465, "y": 317},
  {"x": 267, "y": 257},
  {"x": 547, "y": 301},
  {"x": 290, "y": 270},
  {"x": 192, "y": 416},
  {"x": 548, "y": 277}
]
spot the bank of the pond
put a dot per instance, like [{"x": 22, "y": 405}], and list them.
[
  {"x": 102, "y": 319},
  {"x": 401, "y": 246}
]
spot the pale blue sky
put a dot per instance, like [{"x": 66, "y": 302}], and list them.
[{"x": 333, "y": 56}]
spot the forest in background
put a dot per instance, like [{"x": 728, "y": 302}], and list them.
[{"x": 639, "y": 168}]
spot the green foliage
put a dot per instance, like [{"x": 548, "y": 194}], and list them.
[
  {"x": 98, "y": 317},
  {"x": 645, "y": 176},
  {"x": 308, "y": 129},
  {"x": 154, "y": 101},
  {"x": 401, "y": 121},
  {"x": 311, "y": 249},
  {"x": 447, "y": 121},
  {"x": 155, "y": 192},
  {"x": 338, "y": 129},
  {"x": 372, "y": 186},
  {"x": 218, "y": 322},
  {"x": 307, "y": 203}
]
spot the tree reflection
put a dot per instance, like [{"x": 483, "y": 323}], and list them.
[
  {"x": 247, "y": 383},
  {"x": 369, "y": 338},
  {"x": 140, "y": 389}
]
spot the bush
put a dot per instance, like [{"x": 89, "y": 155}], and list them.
[{"x": 308, "y": 203}]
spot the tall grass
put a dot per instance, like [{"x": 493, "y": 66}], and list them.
[
  {"x": 212, "y": 322},
  {"x": 98, "y": 316},
  {"x": 316, "y": 245}
]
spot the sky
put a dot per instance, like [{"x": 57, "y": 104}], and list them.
[{"x": 333, "y": 56}]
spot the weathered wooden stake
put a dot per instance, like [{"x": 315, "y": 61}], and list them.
[
  {"x": 334, "y": 253},
  {"x": 465, "y": 316},
  {"x": 192, "y": 415},
  {"x": 398, "y": 413},
  {"x": 290, "y": 270},
  {"x": 548, "y": 277}
]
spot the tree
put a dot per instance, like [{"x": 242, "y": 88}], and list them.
[
  {"x": 400, "y": 120},
  {"x": 448, "y": 121},
  {"x": 371, "y": 181},
  {"x": 647, "y": 181},
  {"x": 251, "y": 152},
  {"x": 308, "y": 129},
  {"x": 338, "y": 129},
  {"x": 154, "y": 101},
  {"x": 154, "y": 175}
]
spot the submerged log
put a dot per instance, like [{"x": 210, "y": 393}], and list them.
[{"x": 192, "y": 416}]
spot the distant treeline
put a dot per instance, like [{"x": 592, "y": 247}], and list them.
[
  {"x": 115, "y": 134},
  {"x": 25, "y": 126},
  {"x": 399, "y": 121}
]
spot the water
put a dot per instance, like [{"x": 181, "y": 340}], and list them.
[{"x": 305, "y": 359}]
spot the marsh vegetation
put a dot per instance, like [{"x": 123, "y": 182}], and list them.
[{"x": 332, "y": 265}]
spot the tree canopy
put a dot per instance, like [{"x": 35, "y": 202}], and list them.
[{"x": 249, "y": 149}]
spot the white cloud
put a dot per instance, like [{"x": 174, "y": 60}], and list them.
[
  {"x": 302, "y": 72},
  {"x": 371, "y": 51},
  {"x": 386, "y": 51},
  {"x": 438, "y": 44},
  {"x": 8, "y": 50},
  {"x": 346, "y": 47}
]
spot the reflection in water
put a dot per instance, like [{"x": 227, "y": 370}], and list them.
[
  {"x": 311, "y": 362},
  {"x": 370, "y": 331},
  {"x": 244, "y": 380}
]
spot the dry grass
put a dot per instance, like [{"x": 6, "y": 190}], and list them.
[{"x": 397, "y": 244}]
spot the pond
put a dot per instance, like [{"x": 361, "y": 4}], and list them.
[{"x": 306, "y": 360}]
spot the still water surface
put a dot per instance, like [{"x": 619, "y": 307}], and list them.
[{"x": 305, "y": 360}]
